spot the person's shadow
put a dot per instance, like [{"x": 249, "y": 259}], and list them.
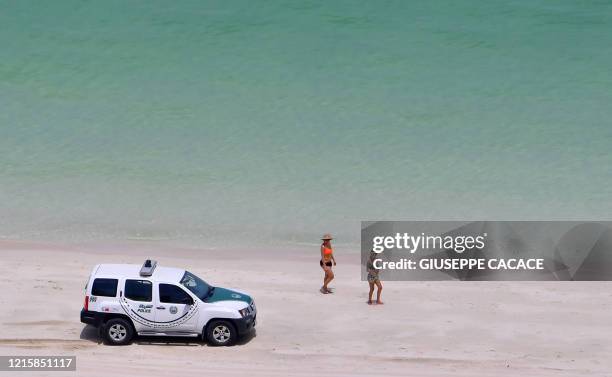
[{"x": 93, "y": 335}]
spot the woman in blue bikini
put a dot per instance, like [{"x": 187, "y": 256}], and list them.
[{"x": 373, "y": 279}]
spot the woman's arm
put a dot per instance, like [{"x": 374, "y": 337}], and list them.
[{"x": 333, "y": 259}]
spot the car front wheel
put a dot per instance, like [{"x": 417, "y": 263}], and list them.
[{"x": 221, "y": 333}]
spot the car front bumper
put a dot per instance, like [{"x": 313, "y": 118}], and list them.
[{"x": 246, "y": 324}]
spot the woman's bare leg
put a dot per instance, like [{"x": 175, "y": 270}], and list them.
[
  {"x": 371, "y": 292},
  {"x": 329, "y": 276},
  {"x": 324, "y": 286},
  {"x": 378, "y": 292}
]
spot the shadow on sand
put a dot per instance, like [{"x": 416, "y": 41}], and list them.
[{"x": 92, "y": 334}]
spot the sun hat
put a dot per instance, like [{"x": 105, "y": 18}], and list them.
[{"x": 327, "y": 236}]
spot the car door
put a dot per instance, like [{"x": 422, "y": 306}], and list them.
[
  {"x": 138, "y": 303},
  {"x": 175, "y": 309}
]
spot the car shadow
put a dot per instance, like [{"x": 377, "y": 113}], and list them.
[{"x": 92, "y": 334}]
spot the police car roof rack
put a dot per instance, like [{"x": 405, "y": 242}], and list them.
[{"x": 148, "y": 267}]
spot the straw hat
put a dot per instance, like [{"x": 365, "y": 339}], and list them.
[{"x": 327, "y": 236}]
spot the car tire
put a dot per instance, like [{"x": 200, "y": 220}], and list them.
[
  {"x": 118, "y": 331},
  {"x": 221, "y": 333}
]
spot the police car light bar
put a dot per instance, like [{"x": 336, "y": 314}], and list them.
[{"x": 148, "y": 267}]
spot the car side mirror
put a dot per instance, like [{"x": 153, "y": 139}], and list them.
[{"x": 188, "y": 301}]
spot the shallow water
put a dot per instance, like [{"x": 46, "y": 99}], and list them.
[{"x": 236, "y": 122}]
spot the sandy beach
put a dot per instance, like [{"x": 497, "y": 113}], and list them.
[
  {"x": 226, "y": 137},
  {"x": 424, "y": 328}
]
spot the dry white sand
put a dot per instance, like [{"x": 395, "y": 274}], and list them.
[{"x": 424, "y": 328}]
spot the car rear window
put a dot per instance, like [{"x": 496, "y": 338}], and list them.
[
  {"x": 138, "y": 290},
  {"x": 104, "y": 287}
]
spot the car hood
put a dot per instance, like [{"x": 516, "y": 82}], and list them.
[{"x": 224, "y": 294}]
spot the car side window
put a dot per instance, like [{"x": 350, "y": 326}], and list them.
[
  {"x": 172, "y": 294},
  {"x": 139, "y": 290},
  {"x": 104, "y": 287}
]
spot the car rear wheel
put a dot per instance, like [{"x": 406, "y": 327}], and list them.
[
  {"x": 118, "y": 331},
  {"x": 221, "y": 333}
]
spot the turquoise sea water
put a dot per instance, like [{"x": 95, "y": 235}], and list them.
[{"x": 239, "y": 122}]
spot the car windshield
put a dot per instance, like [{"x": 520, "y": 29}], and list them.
[{"x": 196, "y": 285}]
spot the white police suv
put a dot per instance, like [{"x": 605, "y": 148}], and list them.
[{"x": 126, "y": 299}]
